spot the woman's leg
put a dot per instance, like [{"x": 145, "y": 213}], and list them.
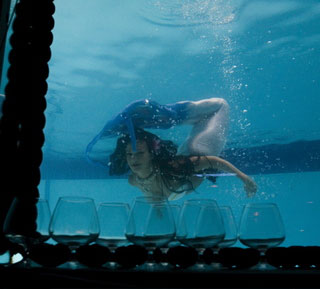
[{"x": 210, "y": 120}]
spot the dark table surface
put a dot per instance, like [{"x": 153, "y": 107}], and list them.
[{"x": 45, "y": 277}]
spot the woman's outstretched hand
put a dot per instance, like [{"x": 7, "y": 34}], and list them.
[{"x": 250, "y": 186}]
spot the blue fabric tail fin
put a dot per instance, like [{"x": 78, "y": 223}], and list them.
[{"x": 131, "y": 133}]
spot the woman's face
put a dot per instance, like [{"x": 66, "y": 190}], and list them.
[{"x": 139, "y": 161}]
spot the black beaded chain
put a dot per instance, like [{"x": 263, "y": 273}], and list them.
[{"x": 23, "y": 120}]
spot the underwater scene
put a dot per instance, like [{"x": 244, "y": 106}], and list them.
[
  {"x": 262, "y": 57},
  {"x": 171, "y": 68}
]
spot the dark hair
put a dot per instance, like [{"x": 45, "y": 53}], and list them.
[{"x": 170, "y": 165}]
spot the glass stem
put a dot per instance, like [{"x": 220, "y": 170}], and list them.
[
  {"x": 150, "y": 255},
  {"x": 200, "y": 263},
  {"x": 263, "y": 257}
]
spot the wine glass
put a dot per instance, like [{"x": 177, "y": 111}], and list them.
[
  {"x": 151, "y": 224},
  {"x": 113, "y": 218},
  {"x": 175, "y": 209},
  {"x": 26, "y": 224},
  {"x": 231, "y": 234},
  {"x": 230, "y": 227},
  {"x": 200, "y": 225},
  {"x": 43, "y": 218},
  {"x": 261, "y": 227},
  {"x": 74, "y": 223}
]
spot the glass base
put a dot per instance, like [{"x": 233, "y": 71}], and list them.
[
  {"x": 73, "y": 265},
  {"x": 151, "y": 266},
  {"x": 216, "y": 266},
  {"x": 263, "y": 266}
]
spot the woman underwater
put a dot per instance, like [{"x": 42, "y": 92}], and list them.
[{"x": 160, "y": 169}]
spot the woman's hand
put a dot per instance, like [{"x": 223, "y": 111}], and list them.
[{"x": 249, "y": 186}]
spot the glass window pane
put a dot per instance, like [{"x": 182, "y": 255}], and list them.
[{"x": 262, "y": 60}]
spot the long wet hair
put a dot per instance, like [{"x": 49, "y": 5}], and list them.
[{"x": 165, "y": 159}]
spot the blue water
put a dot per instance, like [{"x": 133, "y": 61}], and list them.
[{"x": 263, "y": 57}]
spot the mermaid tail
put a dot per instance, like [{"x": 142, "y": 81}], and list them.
[
  {"x": 139, "y": 114},
  {"x": 146, "y": 114},
  {"x": 209, "y": 118}
]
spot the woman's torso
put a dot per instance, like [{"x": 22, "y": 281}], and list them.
[{"x": 157, "y": 186}]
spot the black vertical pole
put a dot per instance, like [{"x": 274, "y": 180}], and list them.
[
  {"x": 4, "y": 22},
  {"x": 23, "y": 118}
]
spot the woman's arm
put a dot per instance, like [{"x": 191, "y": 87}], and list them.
[{"x": 208, "y": 162}]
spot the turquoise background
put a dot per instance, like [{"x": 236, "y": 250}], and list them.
[{"x": 261, "y": 56}]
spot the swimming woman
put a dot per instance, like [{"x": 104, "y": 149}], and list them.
[{"x": 160, "y": 169}]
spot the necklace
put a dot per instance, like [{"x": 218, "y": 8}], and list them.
[
  {"x": 146, "y": 178},
  {"x": 147, "y": 182}
]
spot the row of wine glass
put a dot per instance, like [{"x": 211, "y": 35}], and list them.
[{"x": 152, "y": 222}]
